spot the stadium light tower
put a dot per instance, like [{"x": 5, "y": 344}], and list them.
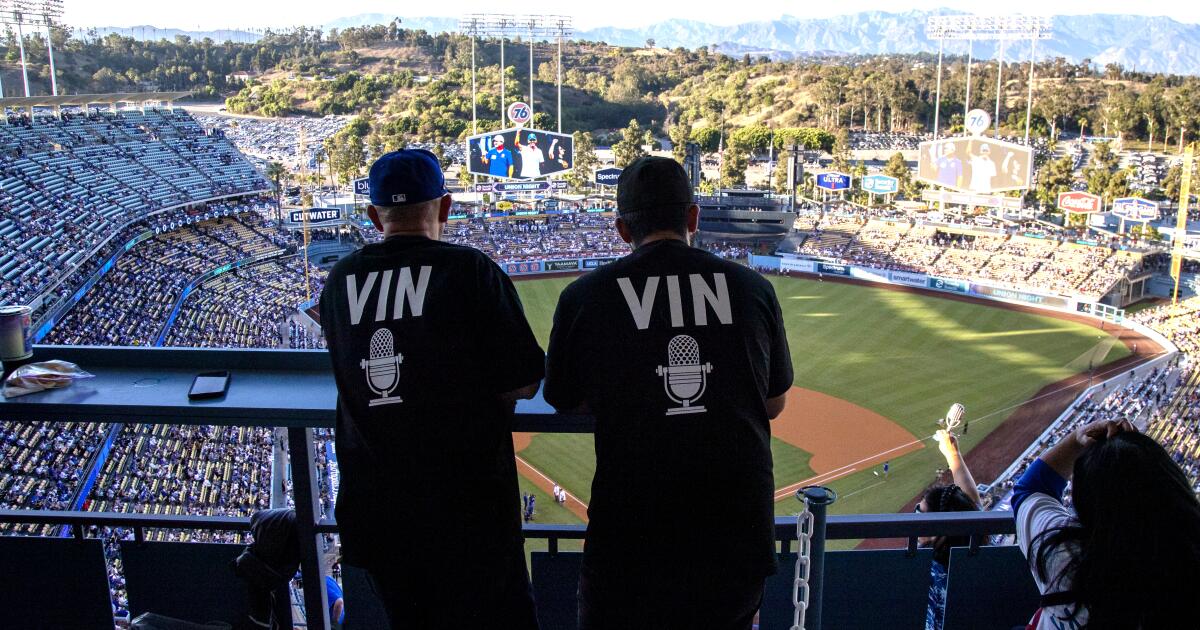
[
  {"x": 22, "y": 13},
  {"x": 995, "y": 28},
  {"x": 504, "y": 26}
]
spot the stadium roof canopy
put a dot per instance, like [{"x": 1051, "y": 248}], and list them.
[{"x": 91, "y": 99}]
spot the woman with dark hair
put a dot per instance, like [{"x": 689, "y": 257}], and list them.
[
  {"x": 961, "y": 496},
  {"x": 1129, "y": 554}
]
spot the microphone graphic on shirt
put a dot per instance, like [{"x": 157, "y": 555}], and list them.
[
  {"x": 383, "y": 368},
  {"x": 684, "y": 378}
]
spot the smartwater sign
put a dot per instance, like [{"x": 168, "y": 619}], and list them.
[
  {"x": 315, "y": 215},
  {"x": 880, "y": 184},
  {"x": 833, "y": 181},
  {"x": 908, "y": 279},
  {"x": 608, "y": 176}
]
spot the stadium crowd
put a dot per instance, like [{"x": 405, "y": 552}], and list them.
[
  {"x": 1052, "y": 264},
  {"x": 105, "y": 171},
  {"x": 519, "y": 239}
]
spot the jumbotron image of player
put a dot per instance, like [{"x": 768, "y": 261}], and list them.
[
  {"x": 531, "y": 155},
  {"x": 499, "y": 159}
]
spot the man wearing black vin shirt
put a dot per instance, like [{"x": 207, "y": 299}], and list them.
[
  {"x": 428, "y": 502},
  {"x": 682, "y": 359}
]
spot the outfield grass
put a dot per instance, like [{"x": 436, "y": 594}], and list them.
[{"x": 905, "y": 356}]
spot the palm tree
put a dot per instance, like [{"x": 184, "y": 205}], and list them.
[{"x": 276, "y": 173}]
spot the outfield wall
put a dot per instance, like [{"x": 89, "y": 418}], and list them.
[{"x": 982, "y": 290}]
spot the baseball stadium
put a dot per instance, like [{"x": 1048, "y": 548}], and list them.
[{"x": 968, "y": 283}]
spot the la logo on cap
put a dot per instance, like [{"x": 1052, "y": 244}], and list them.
[{"x": 399, "y": 198}]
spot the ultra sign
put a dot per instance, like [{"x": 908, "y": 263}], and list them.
[{"x": 833, "y": 181}]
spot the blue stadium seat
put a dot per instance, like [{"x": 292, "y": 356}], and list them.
[
  {"x": 992, "y": 588},
  {"x": 53, "y": 583},
  {"x": 886, "y": 588}
]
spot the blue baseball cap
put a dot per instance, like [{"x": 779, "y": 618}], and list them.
[{"x": 405, "y": 177}]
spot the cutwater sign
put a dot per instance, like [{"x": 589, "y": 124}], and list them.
[
  {"x": 833, "y": 181},
  {"x": 362, "y": 186},
  {"x": 608, "y": 176},
  {"x": 880, "y": 184},
  {"x": 315, "y": 215}
]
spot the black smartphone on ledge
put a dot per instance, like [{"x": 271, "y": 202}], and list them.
[{"x": 209, "y": 385}]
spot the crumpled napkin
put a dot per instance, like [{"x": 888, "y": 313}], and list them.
[{"x": 36, "y": 377}]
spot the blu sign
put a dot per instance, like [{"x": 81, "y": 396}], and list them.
[
  {"x": 880, "y": 184},
  {"x": 833, "y": 181},
  {"x": 362, "y": 187},
  {"x": 608, "y": 176}
]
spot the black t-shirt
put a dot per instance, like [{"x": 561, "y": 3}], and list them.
[
  {"x": 675, "y": 351},
  {"x": 423, "y": 336}
]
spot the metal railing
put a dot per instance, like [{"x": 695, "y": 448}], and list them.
[{"x": 149, "y": 385}]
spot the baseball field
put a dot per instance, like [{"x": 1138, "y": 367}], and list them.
[{"x": 875, "y": 368}]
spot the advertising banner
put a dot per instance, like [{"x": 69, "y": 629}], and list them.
[
  {"x": 315, "y": 216},
  {"x": 968, "y": 199},
  {"x": 362, "y": 187},
  {"x": 608, "y": 176},
  {"x": 596, "y": 263},
  {"x": 976, "y": 165},
  {"x": 832, "y": 269},
  {"x": 1020, "y": 296},
  {"x": 833, "y": 181},
  {"x": 520, "y": 153},
  {"x": 866, "y": 273},
  {"x": 533, "y": 266},
  {"x": 949, "y": 284},
  {"x": 880, "y": 184},
  {"x": 792, "y": 264},
  {"x": 1135, "y": 209},
  {"x": 908, "y": 278},
  {"x": 561, "y": 265},
  {"x": 1079, "y": 202}
]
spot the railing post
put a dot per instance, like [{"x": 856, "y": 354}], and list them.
[
  {"x": 819, "y": 498},
  {"x": 304, "y": 489}
]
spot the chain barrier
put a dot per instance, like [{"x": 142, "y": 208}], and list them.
[{"x": 804, "y": 527}]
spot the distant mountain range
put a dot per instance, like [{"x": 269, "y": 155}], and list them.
[{"x": 1154, "y": 44}]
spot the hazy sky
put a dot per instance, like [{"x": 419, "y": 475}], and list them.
[{"x": 224, "y": 14}]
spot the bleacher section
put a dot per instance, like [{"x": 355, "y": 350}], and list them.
[
  {"x": 67, "y": 185},
  {"x": 42, "y": 465},
  {"x": 131, "y": 304},
  {"x": 215, "y": 315},
  {"x": 1017, "y": 261}
]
